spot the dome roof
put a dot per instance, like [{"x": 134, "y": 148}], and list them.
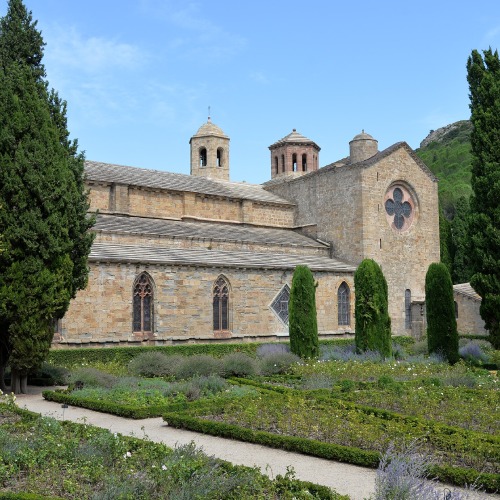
[
  {"x": 363, "y": 137},
  {"x": 209, "y": 128},
  {"x": 294, "y": 138}
]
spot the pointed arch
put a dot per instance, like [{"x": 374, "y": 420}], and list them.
[
  {"x": 344, "y": 304},
  {"x": 221, "y": 296},
  {"x": 143, "y": 304}
]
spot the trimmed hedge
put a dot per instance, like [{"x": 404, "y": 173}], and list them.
[{"x": 454, "y": 475}]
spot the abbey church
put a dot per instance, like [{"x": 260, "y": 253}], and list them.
[{"x": 198, "y": 257}]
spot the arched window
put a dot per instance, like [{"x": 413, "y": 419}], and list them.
[
  {"x": 221, "y": 304},
  {"x": 203, "y": 157},
  {"x": 276, "y": 168},
  {"x": 344, "y": 304},
  {"x": 407, "y": 309},
  {"x": 220, "y": 153},
  {"x": 143, "y": 296},
  {"x": 282, "y": 163},
  {"x": 294, "y": 162},
  {"x": 304, "y": 163}
]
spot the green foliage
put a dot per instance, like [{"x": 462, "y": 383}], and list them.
[
  {"x": 43, "y": 220},
  {"x": 239, "y": 364},
  {"x": 483, "y": 75},
  {"x": 461, "y": 243},
  {"x": 154, "y": 364},
  {"x": 442, "y": 335},
  {"x": 449, "y": 158},
  {"x": 303, "y": 325},
  {"x": 446, "y": 249},
  {"x": 373, "y": 324},
  {"x": 51, "y": 460}
]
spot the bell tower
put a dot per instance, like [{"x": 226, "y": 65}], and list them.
[{"x": 210, "y": 152}]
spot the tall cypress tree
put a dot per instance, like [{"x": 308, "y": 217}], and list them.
[
  {"x": 442, "y": 336},
  {"x": 483, "y": 75},
  {"x": 460, "y": 236},
  {"x": 303, "y": 325},
  {"x": 43, "y": 219},
  {"x": 373, "y": 323}
]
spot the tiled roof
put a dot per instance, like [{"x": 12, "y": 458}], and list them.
[
  {"x": 203, "y": 230},
  {"x": 467, "y": 290},
  {"x": 108, "y": 252},
  {"x": 293, "y": 138},
  {"x": 155, "y": 179}
]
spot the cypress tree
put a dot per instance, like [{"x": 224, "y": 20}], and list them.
[
  {"x": 483, "y": 75},
  {"x": 373, "y": 324},
  {"x": 442, "y": 336},
  {"x": 460, "y": 236},
  {"x": 445, "y": 241},
  {"x": 43, "y": 219},
  {"x": 303, "y": 326}
]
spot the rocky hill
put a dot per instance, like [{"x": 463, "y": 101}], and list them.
[{"x": 446, "y": 151}]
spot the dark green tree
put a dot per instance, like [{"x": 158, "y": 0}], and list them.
[
  {"x": 43, "y": 220},
  {"x": 373, "y": 324},
  {"x": 460, "y": 237},
  {"x": 445, "y": 241},
  {"x": 483, "y": 75},
  {"x": 302, "y": 320},
  {"x": 442, "y": 336}
]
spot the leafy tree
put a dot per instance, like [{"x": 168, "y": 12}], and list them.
[
  {"x": 445, "y": 241},
  {"x": 460, "y": 238},
  {"x": 483, "y": 75},
  {"x": 303, "y": 326},
  {"x": 442, "y": 335},
  {"x": 373, "y": 324},
  {"x": 43, "y": 219}
]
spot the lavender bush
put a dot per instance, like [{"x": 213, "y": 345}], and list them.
[{"x": 473, "y": 353}]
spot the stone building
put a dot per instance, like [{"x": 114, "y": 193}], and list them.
[{"x": 197, "y": 257}]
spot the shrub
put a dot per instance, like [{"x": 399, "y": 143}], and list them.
[
  {"x": 268, "y": 349},
  {"x": 473, "y": 353},
  {"x": 239, "y": 364},
  {"x": 303, "y": 325},
  {"x": 442, "y": 335},
  {"x": 198, "y": 365},
  {"x": 93, "y": 378},
  {"x": 274, "y": 364},
  {"x": 317, "y": 381},
  {"x": 151, "y": 364},
  {"x": 373, "y": 324},
  {"x": 55, "y": 375}
]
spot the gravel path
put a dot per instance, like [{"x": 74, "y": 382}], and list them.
[{"x": 357, "y": 482}]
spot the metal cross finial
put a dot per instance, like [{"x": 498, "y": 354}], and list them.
[{"x": 208, "y": 113}]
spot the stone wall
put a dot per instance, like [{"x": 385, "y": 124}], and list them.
[
  {"x": 102, "y": 313},
  {"x": 469, "y": 320},
  {"x": 347, "y": 203},
  {"x": 143, "y": 202}
]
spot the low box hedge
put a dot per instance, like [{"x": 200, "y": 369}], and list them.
[{"x": 455, "y": 475}]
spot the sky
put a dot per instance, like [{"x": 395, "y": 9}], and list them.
[{"x": 139, "y": 76}]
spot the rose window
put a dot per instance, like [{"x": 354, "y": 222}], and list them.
[{"x": 399, "y": 208}]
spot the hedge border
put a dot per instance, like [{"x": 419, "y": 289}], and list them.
[{"x": 455, "y": 475}]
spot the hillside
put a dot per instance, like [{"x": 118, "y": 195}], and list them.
[{"x": 446, "y": 152}]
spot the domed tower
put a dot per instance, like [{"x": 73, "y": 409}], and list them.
[
  {"x": 294, "y": 155},
  {"x": 362, "y": 147},
  {"x": 210, "y": 152}
]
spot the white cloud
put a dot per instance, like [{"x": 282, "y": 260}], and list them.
[{"x": 70, "y": 49}]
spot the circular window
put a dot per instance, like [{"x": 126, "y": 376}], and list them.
[{"x": 399, "y": 207}]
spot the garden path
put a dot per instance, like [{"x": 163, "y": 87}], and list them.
[{"x": 357, "y": 482}]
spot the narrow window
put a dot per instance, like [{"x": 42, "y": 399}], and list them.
[
  {"x": 220, "y": 153},
  {"x": 294, "y": 162},
  {"x": 143, "y": 304},
  {"x": 203, "y": 157},
  {"x": 282, "y": 163},
  {"x": 304, "y": 163},
  {"x": 276, "y": 168},
  {"x": 221, "y": 304},
  {"x": 344, "y": 304},
  {"x": 407, "y": 309}
]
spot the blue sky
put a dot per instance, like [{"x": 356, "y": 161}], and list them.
[{"x": 139, "y": 75}]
